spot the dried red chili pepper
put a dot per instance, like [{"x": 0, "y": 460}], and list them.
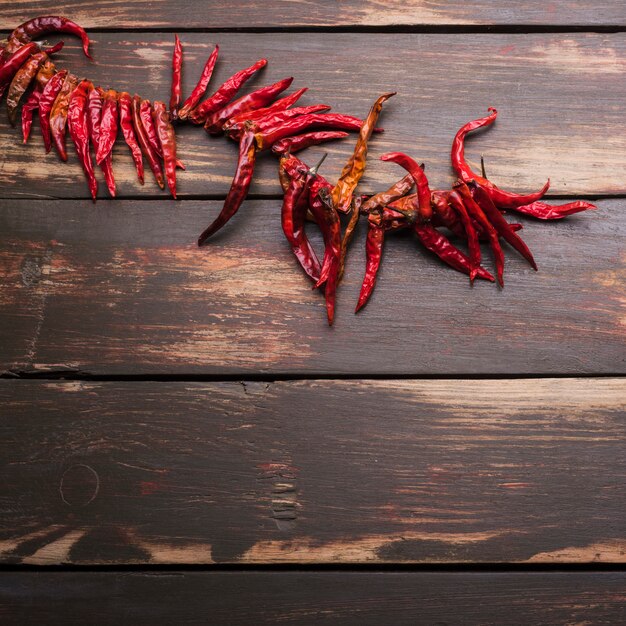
[
  {"x": 422, "y": 205},
  {"x": 239, "y": 187},
  {"x": 503, "y": 228},
  {"x": 267, "y": 138},
  {"x": 14, "y": 63},
  {"x": 25, "y": 32},
  {"x": 144, "y": 143},
  {"x": 477, "y": 213},
  {"x": 347, "y": 236},
  {"x": 45, "y": 73},
  {"x": 126, "y": 123},
  {"x": 473, "y": 243},
  {"x": 58, "y": 115},
  {"x": 373, "y": 253},
  {"x": 177, "y": 68},
  {"x": 48, "y": 97},
  {"x": 281, "y": 117},
  {"x": 145, "y": 113},
  {"x": 224, "y": 93},
  {"x": 355, "y": 167},
  {"x": 300, "y": 142},
  {"x": 543, "y": 211},
  {"x": 200, "y": 88},
  {"x": 444, "y": 214},
  {"x": 167, "y": 138},
  {"x": 250, "y": 102},
  {"x": 29, "y": 107},
  {"x": 108, "y": 126},
  {"x": 383, "y": 198},
  {"x": 237, "y": 121},
  {"x": 21, "y": 81},
  {"x": 94, "y": 115},
  {"x": 502, "y": 199},
  {"x": 79, "y": 131}
]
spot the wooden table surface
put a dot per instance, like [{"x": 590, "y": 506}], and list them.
[{"x": 184, "y": 439}]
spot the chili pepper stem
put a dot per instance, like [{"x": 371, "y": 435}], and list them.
[{"x": 482, "y": 167}]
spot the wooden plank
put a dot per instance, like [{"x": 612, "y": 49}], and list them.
[
  {"x": 346, "y": 598},
  {"x": 351, "y": 13},
  {"x": 445, "y": 471},
  {"x": 561, "y": 99},
  {"x": 121, "y": 288}
]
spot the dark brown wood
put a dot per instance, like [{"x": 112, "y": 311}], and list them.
[
  {"x": 302, "y": 598},
  {"x": 274, "y": 13},
  {"x": 121, "y": 288},
  {"x": 561, "y": 98},
  {"x": 352, "y": 471}
]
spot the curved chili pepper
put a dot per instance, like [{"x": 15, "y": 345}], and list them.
[
  {"x": 543, "y": 211},
  {"x": 177, "y": 67},
  {"x": 482, "y": 198},
  {"x": 48, "y": 97},
  {"x": 14, "y": 63},
  {"x": 45, "y": 24},
  {"x": 145, "y": 144},
  {"x": 373, "y": 254},
  {"x": 281, "y": 117},
  {"x": 444, "y": 214},
  {"x": 293, "y": 211},
  {"x": 239, "y": 187},
  {"x": 94, "y": 125},
  {"x": 250, "y": 102},
  {"x": 108, "y": 126},
  {"x": 79, "y": 132},
  {"x": 21, "y": 81},
  {"x": 30, "y": 106},
  {"x": 383, "y": 198},
  {"x": 126, "y": 123},
  {"x": 167, "y": 138},
  {"x": 224, "y": 93},
  {"x": 477, "y": 213},
  {"x": 237, "y": 121},
  {"x": 58, "y": 115},
  {"x": 502, "y": 199},
  {"x": 423, "y": 205},
  {"x": 300, "y": 142},
  {"x": 355, "y": 167},
  {"x": 267, "y": 138},
  {"x": 200, "y": 88}
]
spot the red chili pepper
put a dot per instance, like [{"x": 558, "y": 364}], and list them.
[
  {"x": 281, "y": 117},
  {"x": 13, "y": 64},
  {"x": 502, "y": 227},
  {"x": 373, "y": 253},
  {"x": 126, "y": 123},
  {"x": 383, "y": 198},
  {"x": 446, "y": 215},
  {"x": 21, "y": 81},
  {"x": 45, "y": 73},
  {"x": 297, "y": 125},
  {"x": 167, "y": 138},
  {"x": 250, "y": 102},
  {"x": 502, "y": 199},
  {"x": 423, "y": 205},
  {"x": 177, "y": 67},
  {"x": 473, "y": 243},
  {"x": 108, "y": 126},
  {"x": 52, "y": 49},
  {"x": 58, "y": 115},
  {"x": 79, "y": 132},
  {"x": 144, "y": 143},
  {"x": 224, "y": 93},
  {"x": 300, "y": 142},
  {"x": 29, "y": 107},
  {"x": 477, "y": 213},
  {"x": 239, "y": 187},
  {"x": 200, "y": 88},
  {"x": 44, "y": 24},
  {"x": 48, "y": 96},
  {"x": 237, "y": 121},
  {"x": 543, "y": 211},
  {"x": 145, "y": 113},
  {"x": 94, "y": 115}
]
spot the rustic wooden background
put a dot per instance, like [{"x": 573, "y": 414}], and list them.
[{"x": 181, "y": 434}]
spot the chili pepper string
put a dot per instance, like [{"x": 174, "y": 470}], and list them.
[{"x": 261, "y": 121}]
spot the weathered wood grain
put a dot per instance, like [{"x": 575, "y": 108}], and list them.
[
  {"x": 313, "y": 472},
  {"x": 274, "y": 13},
  {"x": 121, "y": 288},
  {"x": 307, "y": 598},
  {"x": 561, "y": 98}
]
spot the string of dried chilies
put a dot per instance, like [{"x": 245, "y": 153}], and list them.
[{"x": 472, "y": 210}]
